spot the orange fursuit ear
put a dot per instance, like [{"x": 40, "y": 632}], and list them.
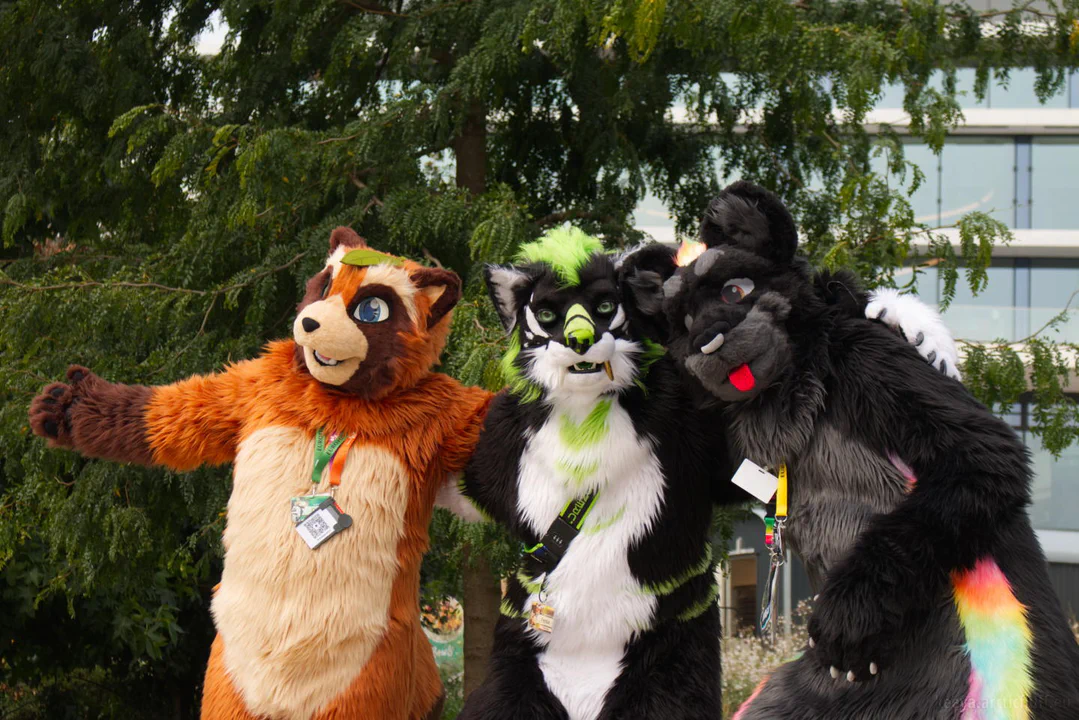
[
  {"x": 442, "y": 287},
  {"x": 345, "y": 236}
]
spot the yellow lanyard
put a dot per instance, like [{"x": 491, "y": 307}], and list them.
[{"x": 781, "y": 492}]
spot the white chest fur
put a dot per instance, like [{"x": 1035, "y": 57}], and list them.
[
  {"x": 598, "y": 604},
  {"x": 298, "y": 625}
]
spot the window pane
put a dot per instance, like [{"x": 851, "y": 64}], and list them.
[
  {"x": 991, "y": 314},
  {"x": 924, "y": 200},
  {"x": 1020, "y": 92},
  {"x": 1052, "y": 283},
  {"x": 892, "y": 93},
  {"x": 1055, "y": 183},
  {"x": 1056, "y": 488},
  {"x": 978, "y": 175}
]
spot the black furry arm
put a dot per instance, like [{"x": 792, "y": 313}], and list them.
[
  {"x": 971, "y": 487},
  {"x": 490, "y": 478}
]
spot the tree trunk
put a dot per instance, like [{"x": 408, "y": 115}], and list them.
[
  {"x": 482, "y": 598},
  {"x": 482, "y": 593}
]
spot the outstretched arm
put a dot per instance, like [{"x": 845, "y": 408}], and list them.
[
  {"x": 905, "y": 314},
  {"x": 970, "y": 488},
  {"x": 189, "y": 423}
]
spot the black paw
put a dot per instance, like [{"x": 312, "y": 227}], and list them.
[{"x": 854, "y": 628}]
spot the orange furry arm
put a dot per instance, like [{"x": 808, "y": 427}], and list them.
[
  {"x": 183, "y": 425},
  {"x": 471, "y": 409},
  {"x": 197, "y": 421}
]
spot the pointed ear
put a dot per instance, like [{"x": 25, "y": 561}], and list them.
[
  {"x": 505, "y": 285},
  {"x": 345, "y": 236},
  {"x": 443, "y": 287},
  {"x": 643, "y": 271},
  {"x": 748, "y": 217}
]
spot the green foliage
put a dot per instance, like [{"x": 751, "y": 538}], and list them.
[{"x": 162, "y": 209}]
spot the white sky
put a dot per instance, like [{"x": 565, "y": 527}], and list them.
[{"x": 209, "y": 41}]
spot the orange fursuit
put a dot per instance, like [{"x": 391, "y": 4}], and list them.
[{"x": 332, "y": 632}]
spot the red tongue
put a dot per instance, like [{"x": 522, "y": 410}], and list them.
[{"x": 742, "y": 378}]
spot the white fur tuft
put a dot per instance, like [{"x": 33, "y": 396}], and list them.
[{"x": 914, "y": 318}]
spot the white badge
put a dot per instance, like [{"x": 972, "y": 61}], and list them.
[{"x": 755, "y": 480}]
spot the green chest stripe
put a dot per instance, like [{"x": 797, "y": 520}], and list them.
[
  {"x": 604, "y": 524},
  {"x": 588, "y": 432},
  {"x": 669, "y": 586},
  {"x": 577, "y": 472}
]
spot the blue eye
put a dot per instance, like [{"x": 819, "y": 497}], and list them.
[{"x": 372, "y": 310}]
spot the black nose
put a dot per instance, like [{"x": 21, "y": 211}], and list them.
[
  {"x": 310, "y": 324},
  {"x": 579, "y": 346}
]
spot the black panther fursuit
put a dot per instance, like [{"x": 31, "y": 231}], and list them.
[{"x": 906, "y": 494}]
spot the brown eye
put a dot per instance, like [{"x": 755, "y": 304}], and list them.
[
  {"x": 736, "y": 290},
  {"x": 326, "y": 287}
]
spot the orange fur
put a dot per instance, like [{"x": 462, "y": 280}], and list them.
[{"x": 362, "y": 654}]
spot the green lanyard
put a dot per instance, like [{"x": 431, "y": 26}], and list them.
[{"x": 324, "y": 454}]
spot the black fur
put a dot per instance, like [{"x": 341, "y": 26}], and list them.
[
  {"x": 671, "y": 668},
  {"x": 835, "y": 396}
]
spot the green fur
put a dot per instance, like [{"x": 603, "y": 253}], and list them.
[
  {"x": 601, "y": 526},
  {"x": 652, "y": 352},
  {"x": 577, "y": 472},
  {"x": 528, "y": 583},
  {"x": 701, "y": 606},
  {"x": 577, "y": 436},
  {"x": 565, "y": 249},
  {"x": 511, "y": 612},
  {"x": 526, "y": 390},
  {"x": 669, "y": 586}
]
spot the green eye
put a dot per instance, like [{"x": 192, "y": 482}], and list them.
[
  {"x": 605, "y": 308},
  {"x": 545, "y": 316}
]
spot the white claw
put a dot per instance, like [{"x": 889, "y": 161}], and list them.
[
  {"x": 873, "y": 668},
  {"x": 850, "y": 676},
  {"x": 812, "y": 643},
  {"x": 816, "y": 597},
  {"x": 713, "y": 344},
  {"x": 834, "y": 672}
]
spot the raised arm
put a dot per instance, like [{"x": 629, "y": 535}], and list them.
[
  {"x": 181, "y": 426},
  {"x": 970, "y": 488}
]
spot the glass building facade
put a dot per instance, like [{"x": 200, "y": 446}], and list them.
[{"x": 1022, "y": 168}]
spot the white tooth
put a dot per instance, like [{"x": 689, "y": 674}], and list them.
[{"x": 713, "y": 345}]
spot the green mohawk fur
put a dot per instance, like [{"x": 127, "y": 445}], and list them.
[{"x": 566, "y": 249}]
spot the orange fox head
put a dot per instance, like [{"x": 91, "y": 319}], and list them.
[{"x": 371, "y": 323}]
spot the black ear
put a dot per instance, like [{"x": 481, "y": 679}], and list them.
[
  {"x": 506, "y": 285},
  {"x": 748, "y": 217},
  {"x": 642, "y": 272}
]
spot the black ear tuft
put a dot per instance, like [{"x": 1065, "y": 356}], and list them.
[
  {"x": 505, "y": 285},
  {"x": 749, "y": 217},
  {"x": 642, "y": 272}
]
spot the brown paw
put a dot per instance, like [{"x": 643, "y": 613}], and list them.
[{"x": 50, "y": 411}]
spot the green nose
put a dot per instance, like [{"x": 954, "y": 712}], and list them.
[{"x": 579, "y": 330}]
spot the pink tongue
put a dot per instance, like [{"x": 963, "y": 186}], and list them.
[{"x": 742, "y": 378}]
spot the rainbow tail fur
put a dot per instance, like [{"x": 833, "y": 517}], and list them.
[{"x": 998, "y": 642}]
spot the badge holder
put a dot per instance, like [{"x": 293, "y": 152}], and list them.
[{"x": 317, "y": 516}]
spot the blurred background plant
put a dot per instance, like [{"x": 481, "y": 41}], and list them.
[{"x": 163, "y": 204}]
